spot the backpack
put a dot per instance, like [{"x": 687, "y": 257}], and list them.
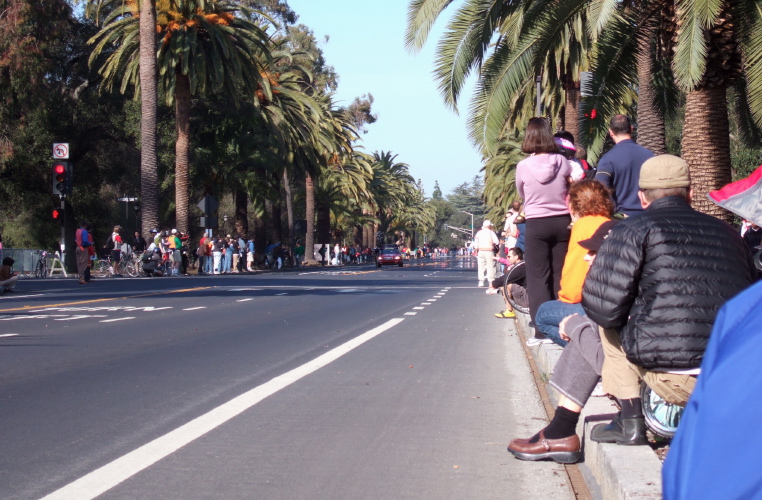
[{"x": 589, "y": 170}]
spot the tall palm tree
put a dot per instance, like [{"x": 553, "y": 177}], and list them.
[
  {"x": 532, "y": 39},
  {"x": 201, "y": 45},
  {"x": 149, "y": 175}
]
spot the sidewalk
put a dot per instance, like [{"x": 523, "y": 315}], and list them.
[{"x": 621, "y": 472}]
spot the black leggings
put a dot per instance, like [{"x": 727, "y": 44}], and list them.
[{"x": 545, "y": 245}]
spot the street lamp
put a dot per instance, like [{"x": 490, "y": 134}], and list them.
[
  {"x": 472, "y": 222},
  {"x": 225, "y": 224}
]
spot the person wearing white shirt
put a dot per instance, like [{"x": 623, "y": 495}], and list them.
[{"x": 484, "y": 241}]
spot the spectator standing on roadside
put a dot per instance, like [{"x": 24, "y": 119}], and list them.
[
  {"x": 542, "y": 180},
  {"x": 82, "y": 238},
  {"x": 619, "y": 169},
  {"x": 138, "y": 243},
  {"x": 114, "y": 244},
  {"x": 485, "y": 241},
  {"x": 175, "y": 246},
  {"x": 250, "y": 256},
  {"x": 217, "y": 245},
  {"x": 299, "y": 253}
]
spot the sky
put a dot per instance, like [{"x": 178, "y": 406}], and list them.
[{"x": 367, "y": 50}]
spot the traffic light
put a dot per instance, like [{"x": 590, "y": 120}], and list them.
[
  {"x": 62, "y": 177},
  {"x": 57, "y": 214}
]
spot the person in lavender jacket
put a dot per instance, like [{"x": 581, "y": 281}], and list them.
[{"x": 542, "y": 180}]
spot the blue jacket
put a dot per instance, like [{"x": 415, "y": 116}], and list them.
[
  {"x": 715, "y": 453},
  {"x": 619, "y": 170}
]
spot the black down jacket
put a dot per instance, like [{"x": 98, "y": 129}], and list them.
[{"x": 660, "y": 277}]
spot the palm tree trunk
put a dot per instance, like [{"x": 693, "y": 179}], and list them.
[
  {"x": 571, "y": 108},
  {"x": 309, "y": 239},
  {"x": 182, "y": 150},
  {"x": 650, "y": 122},
  {"x": 241, "y": 212},
  {"x": 149, "y": 176},
  {"x": 706, "y": 146},
  {"x": 289, "y": 206},
  {"x": 276, "y": 209}
]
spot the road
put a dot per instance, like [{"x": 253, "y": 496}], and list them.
[{"x": 348, "y": 383}]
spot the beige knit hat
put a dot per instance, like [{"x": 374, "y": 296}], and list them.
[{"x": 663, "y": 172}]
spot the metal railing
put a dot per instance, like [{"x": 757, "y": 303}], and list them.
[{"x": 26, "y": 260}]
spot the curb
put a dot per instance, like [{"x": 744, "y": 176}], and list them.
[{"x": 621, "y": 472}]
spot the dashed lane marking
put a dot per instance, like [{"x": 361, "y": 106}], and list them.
[
  {"x": 194, "y": 308},
  {"x": 425, "y": 304},
  {"x": 284, "y": 293},
  {"x": 117, "y": 319},
  {"x": 121, "y": 469},
  {"x": 9, "y": 335},
  {"x": 410, "y": 313},
  {"x": 244, "y": 300},
  {"x": 91, "y": 301},
  {"x": 419, "y": 307}
]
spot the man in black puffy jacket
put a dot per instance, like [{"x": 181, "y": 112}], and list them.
[{"x": 655, "y": 288}]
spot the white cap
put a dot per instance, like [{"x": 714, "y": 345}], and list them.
[
  {"x": 174, "y": 231},
  {"x": 486, "y": 223}
]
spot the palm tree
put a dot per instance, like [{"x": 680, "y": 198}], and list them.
[
  {"x": 533, "y": 39},
  {"x": 149, "y": 175},
  {"x": 703, "y": 43},
  {"x": 201, "y": 45}
]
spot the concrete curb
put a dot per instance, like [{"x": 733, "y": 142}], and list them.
[{"x": 622, "y": 472}]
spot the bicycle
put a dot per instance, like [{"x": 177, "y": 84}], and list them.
[{"x": 41, "y": 267}]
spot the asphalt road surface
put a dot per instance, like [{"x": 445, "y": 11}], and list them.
[{"x": 337, "y": 383}]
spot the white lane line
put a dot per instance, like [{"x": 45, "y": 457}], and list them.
[
  {"x": 81, "y": 316},
  {"x": 410, "y": 313},
  {"x": 194, "y": 308},
  {"x": 425, "y": 304},
  {"x": 244, "y": 300},
  {"x": 20, "y": 296},
  {"x": 101, "y": 480},
  {"x": 431, "y": 300},
  {"x": 419, "y": 307},
  {"x": 444, "y": 290},
  {"x": 447, "y": 287},
  {"x": 285, "y": 293},
  {"x": 9, "y": 335},
  {"x": 116, "y": 319}
]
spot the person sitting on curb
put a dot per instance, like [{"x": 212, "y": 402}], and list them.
[
  {"x": 8, "y": 278},
  {"x": 575, "y": 376},
  {"x": 655, "y": 289},
  {"x": 516, "y": 277},
  {"x": 590, "y": 206}
]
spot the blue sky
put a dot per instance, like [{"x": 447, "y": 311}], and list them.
[{"x": 367, "y": 50}]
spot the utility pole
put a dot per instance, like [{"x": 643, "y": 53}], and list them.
[{"x": 472, "y": 223}]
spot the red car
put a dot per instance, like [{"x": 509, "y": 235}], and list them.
[{"x": 388, "y": 256}]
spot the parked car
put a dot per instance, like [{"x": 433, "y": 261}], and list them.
[{"x": 389, "y": 255}]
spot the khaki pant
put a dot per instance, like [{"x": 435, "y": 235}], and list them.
[
  {"x": 235, "y": 262},
  {"x": 622, "y": 378},
  {"x": 485, "y": 264},
  {"x": 82, "y": 260}
]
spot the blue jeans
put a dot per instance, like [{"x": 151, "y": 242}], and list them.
[
  {"x": 208, "y": 264},
  {"x": 550, "y": 314}
]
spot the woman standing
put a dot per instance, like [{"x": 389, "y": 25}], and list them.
[{"x": 542, "y": 180}]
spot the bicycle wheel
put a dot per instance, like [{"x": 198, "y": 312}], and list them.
[
  {"x": 101, "y": 268},
  {"x": 516, "y": 307},
  {"x": 131, "y": 270},
  {"x": 661, "y": 417}
]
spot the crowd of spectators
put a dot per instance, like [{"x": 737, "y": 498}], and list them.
[{"x": 619, "y": 270}]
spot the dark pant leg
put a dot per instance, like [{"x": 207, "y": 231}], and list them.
[
  {"x": 537, "y": 258},
  {"x": 559, "y": 247}
]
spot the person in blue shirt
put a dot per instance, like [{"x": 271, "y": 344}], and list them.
[
  {"x": 83, "y": 241},
  {"x": 715, "y": 453},
  {"x": 619, "y": 169}
]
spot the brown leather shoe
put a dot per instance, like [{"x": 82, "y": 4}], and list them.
[{"x": 562, "y": 451}]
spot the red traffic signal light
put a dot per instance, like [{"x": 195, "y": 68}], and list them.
[
  {"x": 62, "y": 177},
  {"x": 57, "y": 214}
]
